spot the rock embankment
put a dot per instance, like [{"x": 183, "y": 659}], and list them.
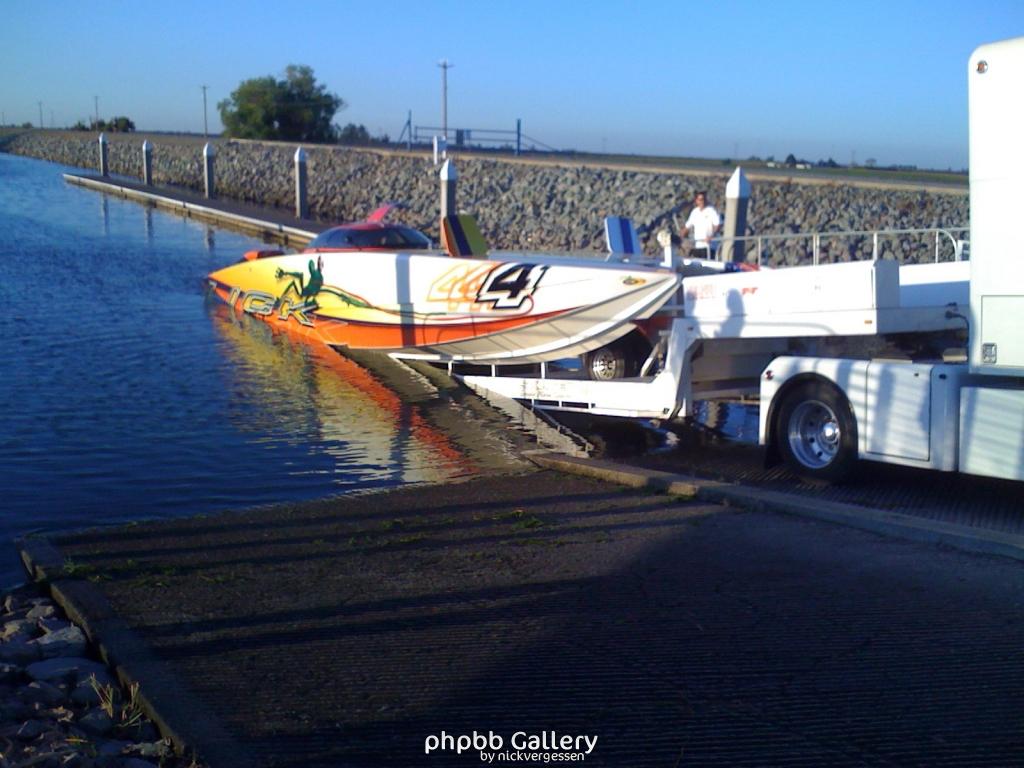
[
  {"x": 522, "y": 205},
  {"x": 59, "y": 706}
]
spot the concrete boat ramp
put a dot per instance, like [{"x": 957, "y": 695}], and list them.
[
  {"x": 676, "y": 630},
  {"x": 679, "y": 621}
]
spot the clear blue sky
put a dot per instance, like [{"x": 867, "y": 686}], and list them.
[{"x": 884, "y": 80}]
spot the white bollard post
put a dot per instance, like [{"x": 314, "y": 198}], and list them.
[
  {"x": 301, "y": 203},
  {"x": 664, "y": 238},
  {"x": 449, "y": 181},
  {"x": 440, "y": 149},
  {"x": 147, "y": 163},
  {"x": 104, "y": 168},
  {"x": 209, "y": 153},
  {"x": 737, "y": 198}
]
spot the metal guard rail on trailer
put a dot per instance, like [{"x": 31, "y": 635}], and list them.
[{"x": 955, "y": 235}]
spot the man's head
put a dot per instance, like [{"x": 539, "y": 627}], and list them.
[{"x": 700, "y": 199}]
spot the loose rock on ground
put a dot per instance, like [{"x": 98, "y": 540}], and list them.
[{"x": 61, "y": 709}]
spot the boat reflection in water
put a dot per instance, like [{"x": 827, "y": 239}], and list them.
[{"x": 304, "y": 390}]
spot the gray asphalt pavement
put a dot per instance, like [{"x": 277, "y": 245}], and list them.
[{"x": 679, "y": 633}]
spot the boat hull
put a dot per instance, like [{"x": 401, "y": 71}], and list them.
[{"x": 515, "y": 309}]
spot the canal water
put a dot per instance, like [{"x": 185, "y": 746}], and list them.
[{"x": 127, "y": 394}]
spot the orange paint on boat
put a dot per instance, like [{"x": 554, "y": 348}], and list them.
[{"x": 382, "y": 336}]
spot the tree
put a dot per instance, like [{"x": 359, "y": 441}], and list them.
[
  {"x": 296, "y": 108},
  {"x": 120, "y": 125},
  {"x": 251, "y": 112},
  {"x": 354, "y": 134},
  {"x": 309, "y": 108}
]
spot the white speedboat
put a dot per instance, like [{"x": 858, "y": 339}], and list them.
[{"x": 450, "y": 305}]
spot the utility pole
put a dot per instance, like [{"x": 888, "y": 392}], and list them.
[
  {"x": 206, "y": 131},
  {"x": 40, "y": 113},
  {"x": 96, "y": 114},
  {"x": 445, "y": 66}
]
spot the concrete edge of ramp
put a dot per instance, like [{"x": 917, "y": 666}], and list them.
[
  {"x": 175, "y": 711},
  {"x": 976, "y": 540},
  {"x": 212, "y": 211}
]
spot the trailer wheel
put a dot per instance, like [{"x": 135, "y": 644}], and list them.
[
  {"x": 816, "y": 432},
  {"x": 614, "y": 361}
]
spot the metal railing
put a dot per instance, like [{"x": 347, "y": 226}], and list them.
[
  {"x": 487, "y": 138},
  {"x": 900, "y": 244}
]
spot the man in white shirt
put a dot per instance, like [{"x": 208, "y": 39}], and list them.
[{"x": 704, "y": 222}]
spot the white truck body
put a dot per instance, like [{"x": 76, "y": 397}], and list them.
[{"x": 996, "y": 115}]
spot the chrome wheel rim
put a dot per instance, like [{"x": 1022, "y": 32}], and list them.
[
  {"x": 603, "y": 365},
  {"x": 814, "y": 434}
]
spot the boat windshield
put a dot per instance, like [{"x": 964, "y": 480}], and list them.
[{"x": 384, "y": 237}]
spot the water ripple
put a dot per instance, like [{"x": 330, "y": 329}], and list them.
[{"x": 128, "y": 395}]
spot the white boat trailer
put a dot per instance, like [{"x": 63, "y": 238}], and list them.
[
  {"x": 810, "y": 344},
  {"x": 732, "y": 325}
]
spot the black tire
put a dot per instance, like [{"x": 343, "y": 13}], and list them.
[
  {"x": 816, "y": 432},
  {"x": 617, "y": 360}
]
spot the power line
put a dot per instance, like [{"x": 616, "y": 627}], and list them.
[{"x": 206, "y": 131}]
